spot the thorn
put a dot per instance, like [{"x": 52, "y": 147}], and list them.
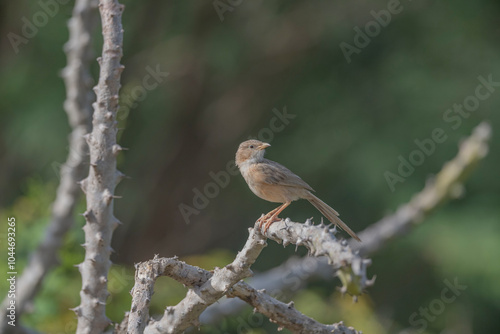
[
  {"x": 89, "y": 216},
  {"x": 107, "y": 197},
  {"x": 371, "y": 281},
  {"x": 97, "y": 302},
  {"x": 88, "y": 138},
  {"x": 77, "y": 310},
  {"x": 117, "y": 148},
  {"x": 83, "y": 185},
  {"x": 116, "y": 223},
  {"x": 291, "y": 304},
  {"x": 120, "y": 176}
]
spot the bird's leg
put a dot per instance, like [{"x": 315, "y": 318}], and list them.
[
  {"x": 274, "y": 217},
  {"x": 264, "y": 218}
]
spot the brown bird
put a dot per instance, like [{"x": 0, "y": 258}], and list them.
[{"x": 275, "y": 183}]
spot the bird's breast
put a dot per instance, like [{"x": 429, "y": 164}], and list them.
[{"x": 270, "y": 192}]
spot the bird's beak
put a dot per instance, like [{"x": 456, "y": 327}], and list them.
[{"x": 263, "y": 146}]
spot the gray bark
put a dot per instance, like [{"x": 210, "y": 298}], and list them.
[
  {"x": 99, "y": 186},
  {"x": 78, "y": 107}
]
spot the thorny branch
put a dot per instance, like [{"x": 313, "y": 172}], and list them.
[
  {"x": 447, "y": 184},
  {"x": 99, "y": 186},
  {"x": 206, "y": 288},
  {"x": 187, "y": 312},
  {"x": 78, "y": 107}
]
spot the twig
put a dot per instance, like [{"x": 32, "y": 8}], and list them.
[
  {"x": 78, "y": 106},
  {"x": 207, "y": 288},
  {"x": 279, "y": 281},
  {"x": 320, "y": 241},
  {"x": 145, "y": 277},
  {"x": 447, "y": 184},
  {"x": 187, "y": 312},
  {"x": 283, "y": 314},
  {"x": 99, "y": 186}
]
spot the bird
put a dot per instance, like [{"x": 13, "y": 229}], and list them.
[{"x": 274, "y": 182}]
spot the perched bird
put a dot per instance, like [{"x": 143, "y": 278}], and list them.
[{"x": 275, "y": 183}]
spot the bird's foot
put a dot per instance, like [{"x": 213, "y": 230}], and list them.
[
  {"x": 263, "y": 219},
  {"x": 270, "y": 221}
]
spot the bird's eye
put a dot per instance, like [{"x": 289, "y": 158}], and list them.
[{"x": 251, "y": 146}]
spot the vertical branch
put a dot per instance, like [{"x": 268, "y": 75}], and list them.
[
  {"x": 78, "y": 107},
  {"x": 99, "y": 186}
]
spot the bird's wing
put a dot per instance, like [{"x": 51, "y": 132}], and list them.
[{"x": 271, "y": 172}]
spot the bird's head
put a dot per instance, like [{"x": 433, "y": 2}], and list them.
[{"x": 251, "y": 150}]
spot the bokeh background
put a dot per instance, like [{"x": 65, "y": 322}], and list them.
[{"x": 229, "y": 76}]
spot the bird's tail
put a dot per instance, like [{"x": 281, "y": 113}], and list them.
[{"x": 331, "y": 214}]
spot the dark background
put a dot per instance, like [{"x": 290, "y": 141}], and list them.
[{"x": 352, "y": 121}]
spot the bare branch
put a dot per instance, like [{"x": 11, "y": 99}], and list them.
[
  {"x": 145, "y": 277},
  {"x": 287, "y": 278},
  {"x": 208, "y": 288},
  {"x": 186, "y": 313},
  {"x": 78, "y": 106},
  {"x": 447, "y": 184},
  {"x": 283, "y": 314},
  {"x": 99, "y": 186},
  {"x": 320, "y": 241}
]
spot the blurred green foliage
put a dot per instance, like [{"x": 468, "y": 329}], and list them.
[{"x": 353, "y": 121}]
